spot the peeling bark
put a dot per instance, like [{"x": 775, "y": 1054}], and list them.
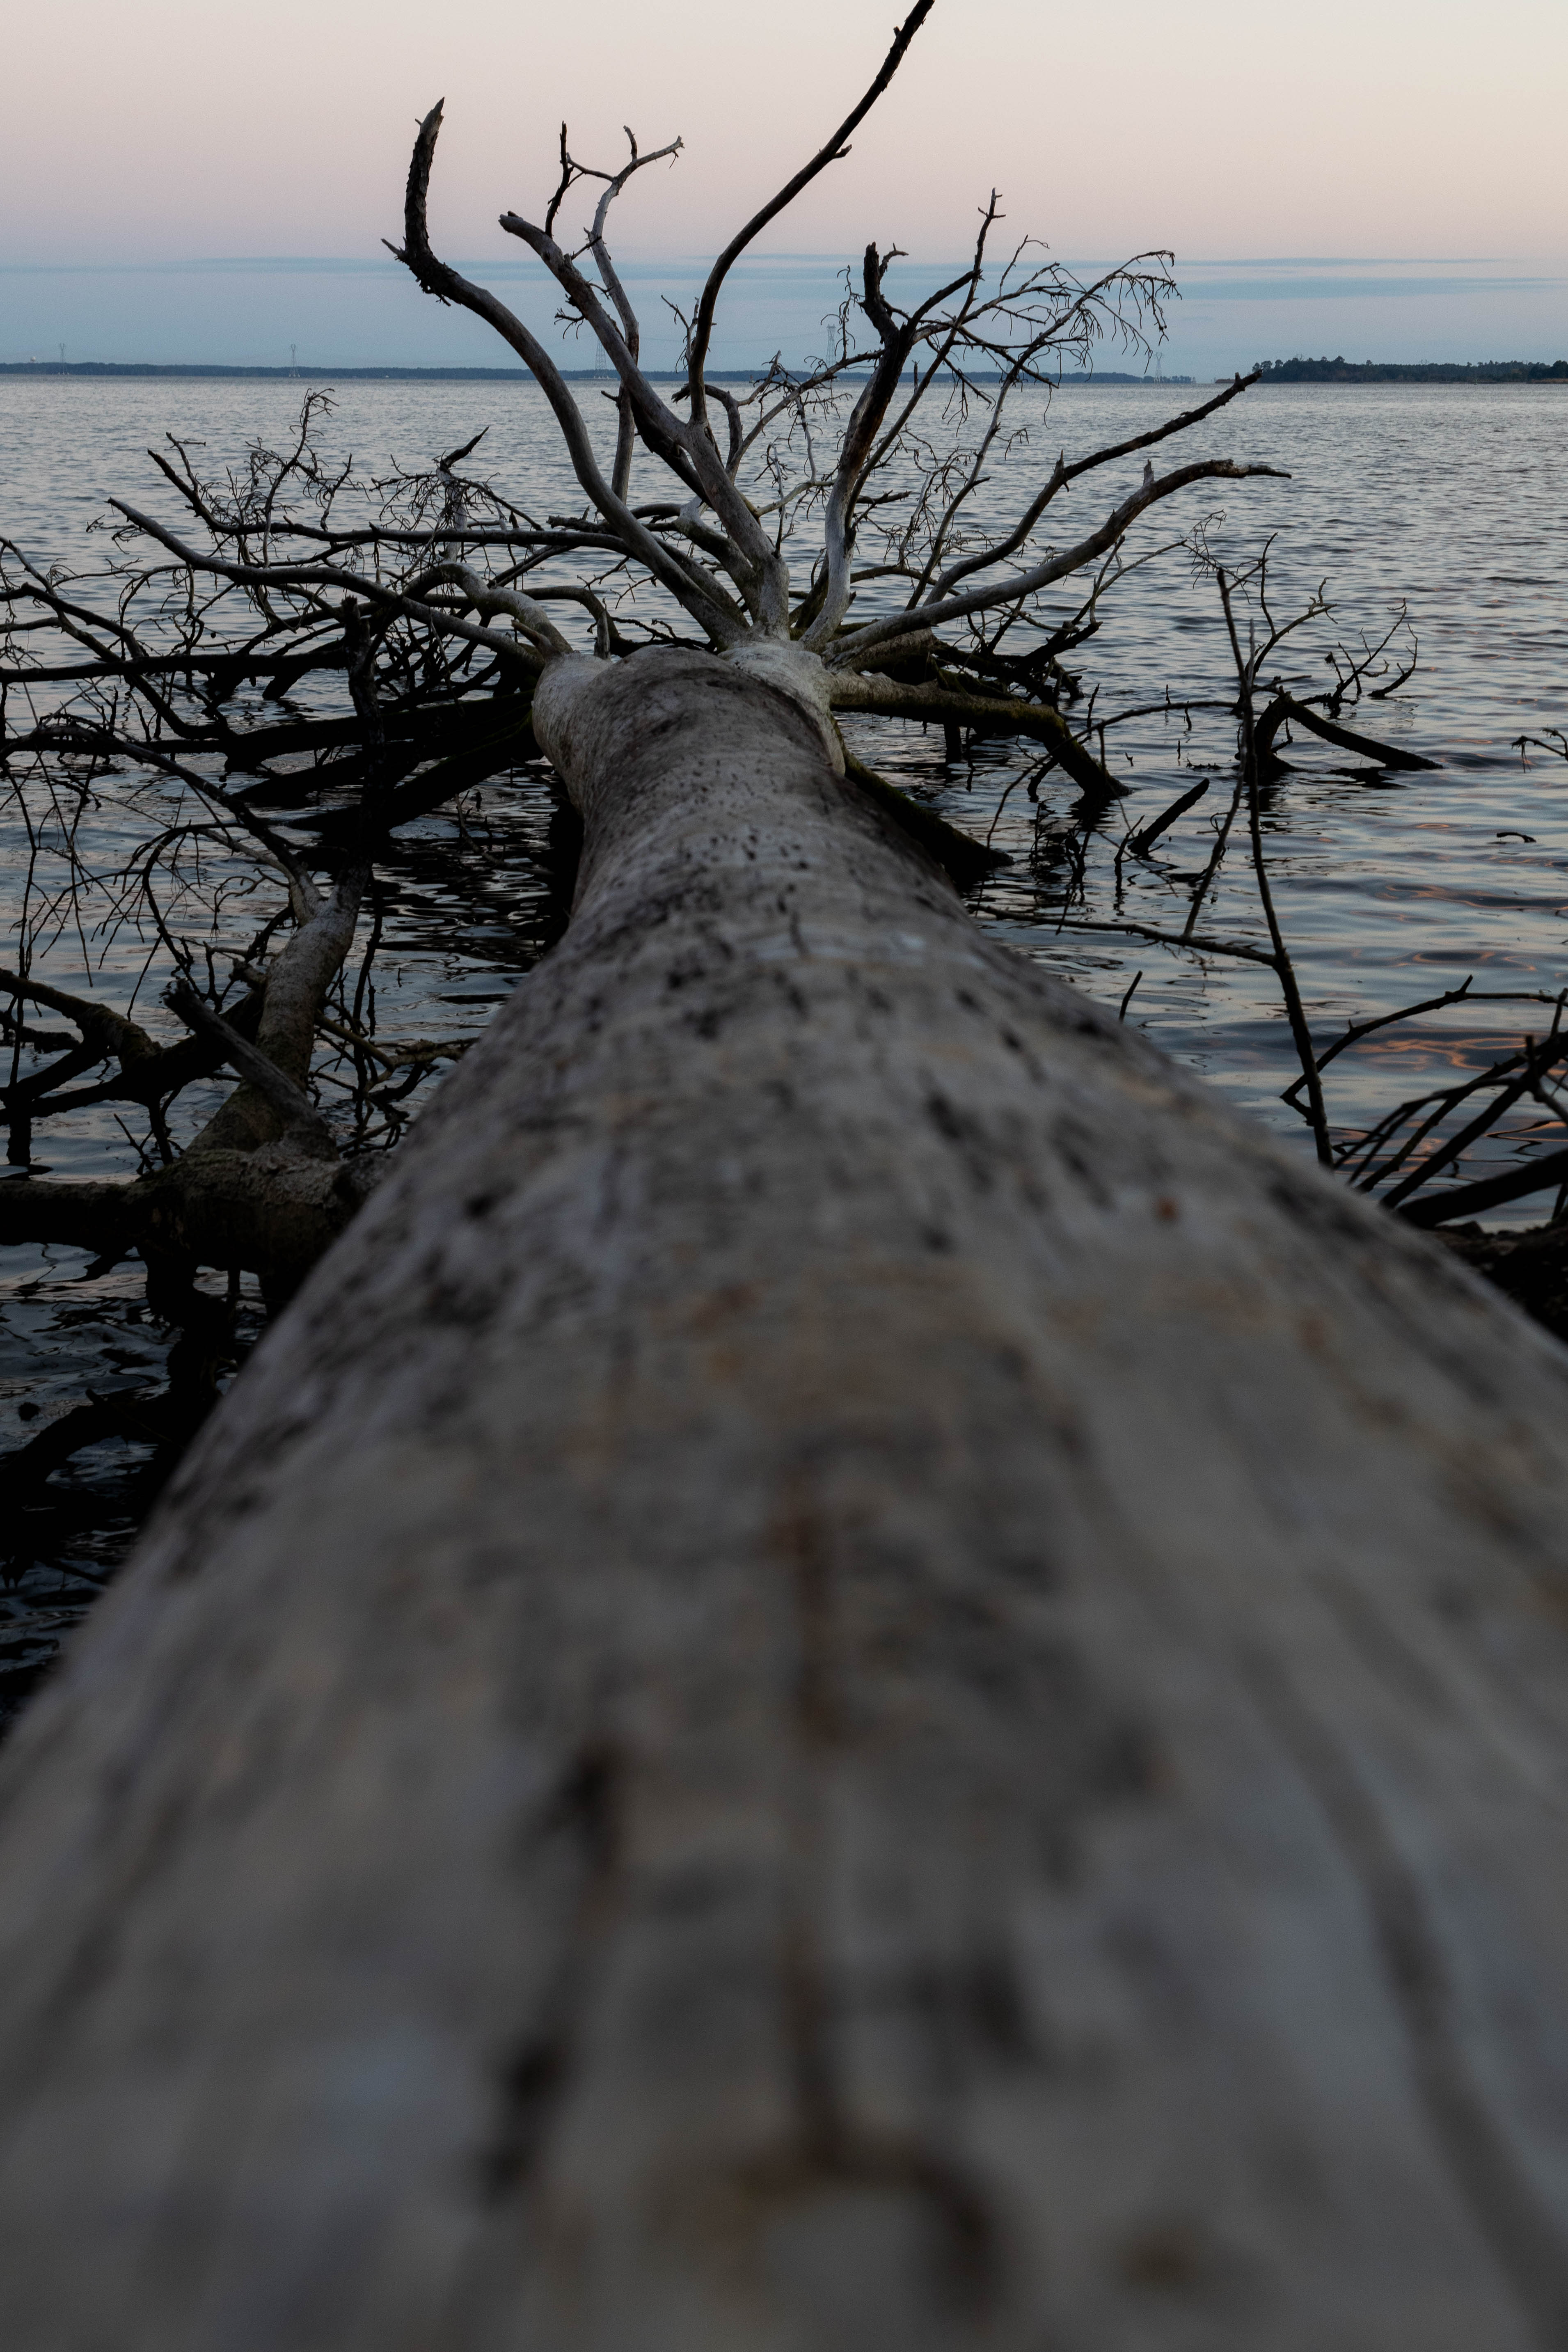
[{"x": 856, "y": 1673}]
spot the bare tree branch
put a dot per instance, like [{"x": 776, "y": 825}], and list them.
[
  {"x": 855, "y": 642},
  {"x": 832, "y": 152}
]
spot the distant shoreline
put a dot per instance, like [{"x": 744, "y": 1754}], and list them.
[
  {"x": 1296, "y": 371},
  {"x": 221, "y": 369},
  {"x": 197, "y": 370},
  {"x": 1415, "y": 371}
]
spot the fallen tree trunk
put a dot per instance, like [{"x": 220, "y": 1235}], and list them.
[
  {"x": 856, "y": 1673},
  {"x": 273, "y": 1208}
]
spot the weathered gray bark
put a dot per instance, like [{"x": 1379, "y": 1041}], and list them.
[{"x": 855, "y": 1674}]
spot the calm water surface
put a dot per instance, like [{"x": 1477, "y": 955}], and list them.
[{"x": 1391, "y": 887}]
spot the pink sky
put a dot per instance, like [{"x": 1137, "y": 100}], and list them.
[{"x": 162, "y": 129}]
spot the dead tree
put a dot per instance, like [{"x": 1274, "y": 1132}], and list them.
[
  {"x": 314, "y": 658},
  {"x": 855, "y": 1672}
]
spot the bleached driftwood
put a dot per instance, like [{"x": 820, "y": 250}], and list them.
[{"x": 855, "y": 1674}]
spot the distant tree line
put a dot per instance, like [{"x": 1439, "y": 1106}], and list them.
[{"x": 1343, "y": 370}]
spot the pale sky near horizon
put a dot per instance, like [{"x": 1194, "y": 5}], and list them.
[{"x": 167, "y": 131}]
